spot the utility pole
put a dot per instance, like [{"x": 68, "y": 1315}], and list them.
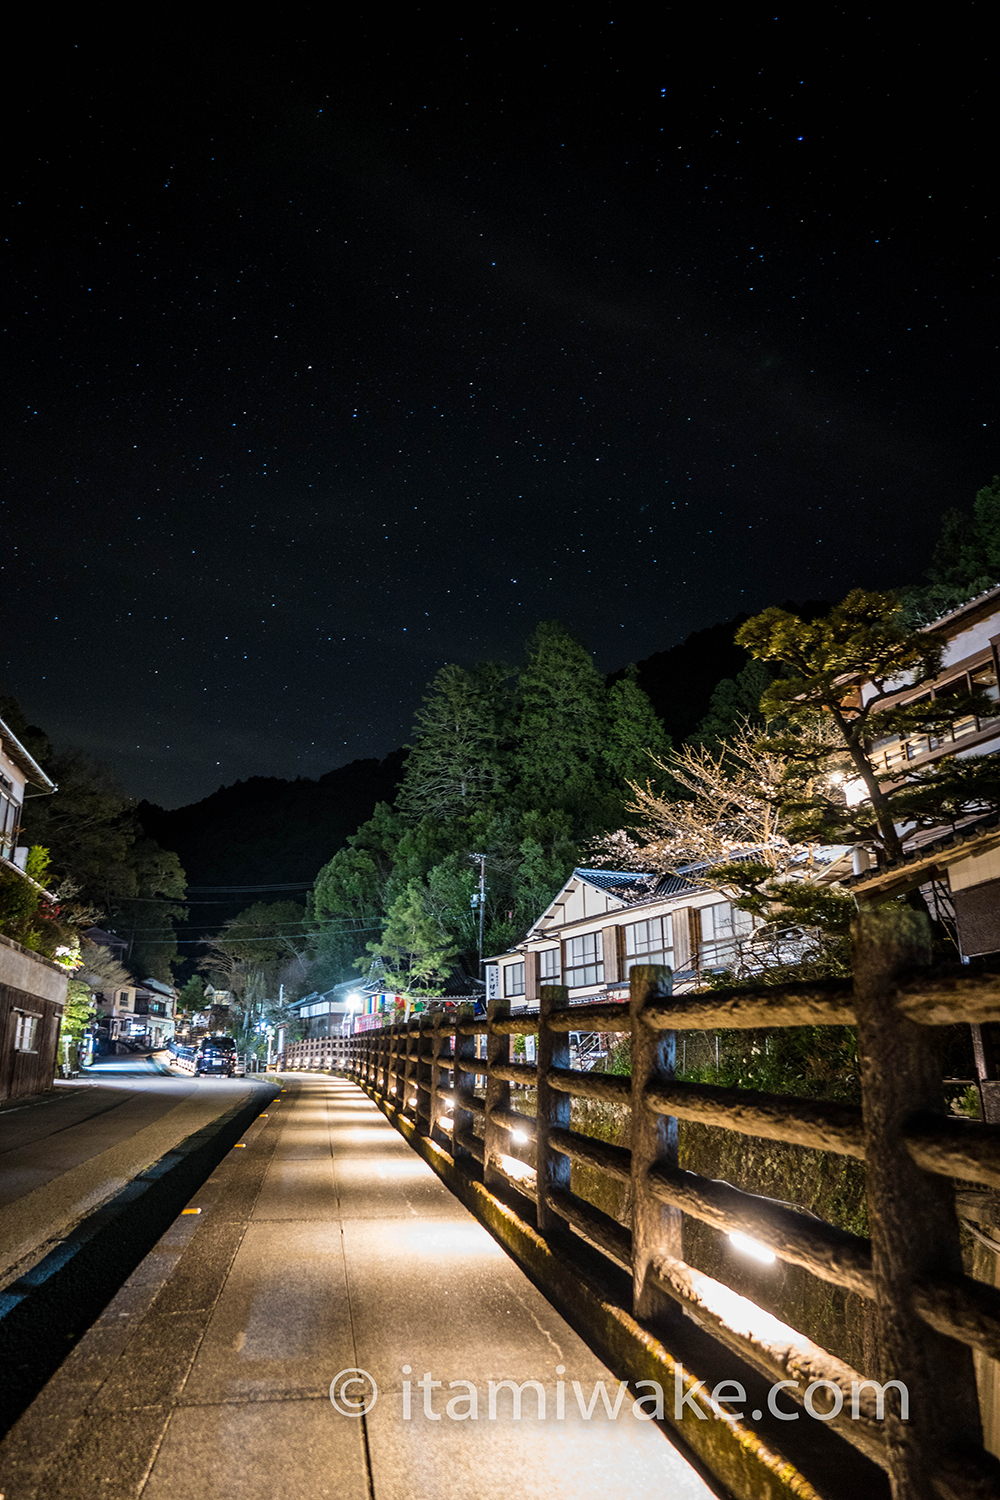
[{"x": 480, "y": 900}]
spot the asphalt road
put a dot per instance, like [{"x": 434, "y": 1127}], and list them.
[
  {"x": 66, "y": 1153},
  {"x": 90, "y": 1176}
]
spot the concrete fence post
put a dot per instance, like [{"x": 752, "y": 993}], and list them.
[
  {"x": 497, "y": 1094},
  {"x": 423, "y": 1072},
  {"x": 553, "y": 1110},
  {"x": 408, "y": 1082},
  {"x": 439, "y": 1056},
  {"x": 385, "y": 1058},
  {"x": 656, "y": 1226},
  {"x": 463, "y": 1085},
  {"x": 395, "y": 1063},
  {"x": 913, "y": 1225}
]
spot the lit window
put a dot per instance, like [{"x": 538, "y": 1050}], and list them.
[
  {"x": 513, "y": 979},
  {"x": 26, "y": 1034},
  {"x": 649, "y": 942},
  {"x": 722, "y": 927},
  {"x": 585, "y": 960}
]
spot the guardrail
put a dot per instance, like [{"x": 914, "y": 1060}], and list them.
[
  {"x": 930, "y": 1316},
  {"x": 314, "y": 1053}
]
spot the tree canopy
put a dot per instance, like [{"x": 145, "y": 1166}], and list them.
[
  {"x": 414, "y": 947},
  {"x": 100, "y": 867},
  {"x": 846, "y": 670},
  {"x": 456, "y": 763},
  {"x": 517, "y": 766},
  {"x": 966, "y": 559}
]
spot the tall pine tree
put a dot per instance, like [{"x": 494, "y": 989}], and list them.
[
  {"x": 456, "y": 761},
  {"x": 562, "y": 727}
]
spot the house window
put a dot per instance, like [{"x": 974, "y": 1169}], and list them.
[
  {"x": 26, "y": 1034},
  {"x": 962, "y": 724},
  {"x": 9, "y": 811},
  {"x": 984, "y": 680},
  {"x": 649, "y": 942},
  {"x": 585, "y": 960},
  {"x": 513, "y": 979},
  {"x": 123, "y": 997},
  {"x": 722, "y": 927},
  {"x": 891, "y": 753},
  {"x": 550, "y": 965}
]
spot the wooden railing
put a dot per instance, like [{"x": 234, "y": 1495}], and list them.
[{"x": 930, "y": 1316}]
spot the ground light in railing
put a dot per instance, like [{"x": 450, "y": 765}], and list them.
[
  {"x": 517, "y": 1169},
  {"x": 752, "y": 1247}
]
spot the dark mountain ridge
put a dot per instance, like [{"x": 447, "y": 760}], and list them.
[{"x": 266, "y": 830}]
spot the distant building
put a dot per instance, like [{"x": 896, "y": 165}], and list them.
[
  {"x": 957, "y": 869},
  {"x": 605, "y": 922},
  {"x": 137, "y": 1014},
  {"x": 156, "y": 1002},
  {"x": 32, "y": 988},
  {"x": 325, "y": 1014}
]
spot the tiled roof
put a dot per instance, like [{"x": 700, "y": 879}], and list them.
[
  {"x": 947, "y": 849},
  {"x": 632, "y": 886},
  {"x": 960, "y": 609},
  {"x": 27, "y": 763}
]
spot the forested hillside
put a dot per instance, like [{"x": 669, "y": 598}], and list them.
[{"x": 265, "y": 829}]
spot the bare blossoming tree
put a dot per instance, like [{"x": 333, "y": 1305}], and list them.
[
  {"x": 733, "y": 811},
  {"x": 733, "y": 827}
]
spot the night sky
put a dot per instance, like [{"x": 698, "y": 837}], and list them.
[{"x": 334, "y": 354}]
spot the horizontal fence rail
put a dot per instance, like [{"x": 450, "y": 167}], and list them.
[{"x": 455, "y": 1079}]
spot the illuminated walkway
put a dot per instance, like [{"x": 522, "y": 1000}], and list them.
[{"x": 324, "y": 1245}]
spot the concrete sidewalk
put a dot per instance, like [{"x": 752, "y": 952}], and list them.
[{"x": 327, "y": 1245}]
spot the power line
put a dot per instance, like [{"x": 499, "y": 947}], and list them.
[
  {"x": 241, "y": 936},
  {"x": 176, "y": 901},
  {"x": 278, "y": 936},
  {"x": 294, "y": 885}
]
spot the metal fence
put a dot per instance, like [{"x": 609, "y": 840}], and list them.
[{"x": 930, "y": 1315}]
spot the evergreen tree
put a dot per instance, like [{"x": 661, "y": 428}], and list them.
[
  {"x": 559, "y": 760},
  {"x": 863, "y": 641},
  {"x": 456, "y": 761},
  {"x": 355, "y": 889},
  {"x": 417, "y": 953},
  {"x": 734, "y": 706},
  {"x": 191, "y": 999},
  {"x": 634, "y": 734},
  {"x": 149, "y": 916},
  {"x": 966, "y": 559},
  {"x": 518, "y": 780}
]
